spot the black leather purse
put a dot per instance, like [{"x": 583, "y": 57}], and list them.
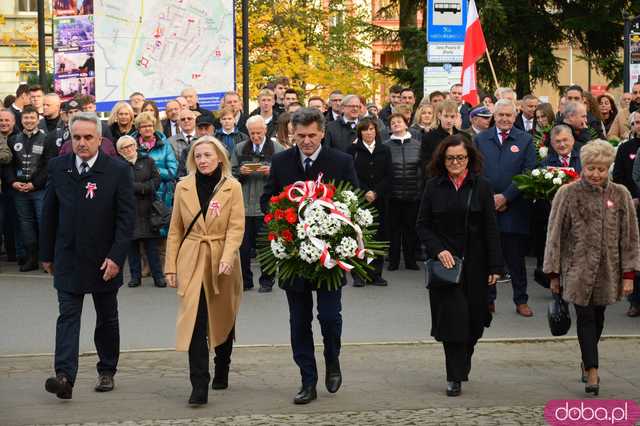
[
  {"x": 436, "y": 275},
  {"x": 558, "y": 316}
]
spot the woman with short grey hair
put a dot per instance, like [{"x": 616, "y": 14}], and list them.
[{"x": 593, "y": 249}]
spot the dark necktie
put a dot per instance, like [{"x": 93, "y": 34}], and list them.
[
  {"x": 256, "y": 149},
  {"x": 84, "y": 168},
  {"x": 504, "y": 135},
  {"x": 307, "y": 164},
  {"x": 188, "y": 139}
]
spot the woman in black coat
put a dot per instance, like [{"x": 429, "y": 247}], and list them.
[
  {"x": 460, "y": 313},
  {"x": 146, "y": 180},
  {"x": 372, "y": 161}
]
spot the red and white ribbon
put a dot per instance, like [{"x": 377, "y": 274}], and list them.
[
  {"x": 91, "y": 190},
  {"x": 214, "y": 208}
]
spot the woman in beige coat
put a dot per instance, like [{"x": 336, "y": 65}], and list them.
[
  {"x": 593, "y": 249},
  {"x": 202, "y": 261}
]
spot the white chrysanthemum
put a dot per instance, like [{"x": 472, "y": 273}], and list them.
[
  {"x": 548, "y": 176},
  {"x": 557, "y": 181},
  {"x": 300, "y": 231},
  {"x": 350, "y": 198},
  {"x": 347, "y": 247},
  {"x": 314, "y": 213},
  {"x": 342, "y": 208},
  {"x": 330, "y": 226},
  {"x": 278, "y": 249},
  {"x": 561, "y": 174},
  {"x": 364, "y": 217},
  {"x": 535, "y": 172},
  {"x": 309, "y": 253},
  {"x": 543, "y": 151}
]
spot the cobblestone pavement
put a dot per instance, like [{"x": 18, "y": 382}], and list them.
[
  {"x": 529, "y": 416},
  {"x": 393, "y": 384}
]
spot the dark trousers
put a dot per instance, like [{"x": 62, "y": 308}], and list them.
[
  {"x": 634, "y": 298},
  {"x": 300, "y": 317},
  {"x": 458, "y": 359},
  {"x": 12, "y": 240},
  {"x": 106, "y": 336},
  {"x": 151, "y": 248},
  {"x": 199, "y": 348},
  {"x": 252, "y": 226},
  {"x": 514, "y": 249},
  {"x": 589, "y": 324},
  {"x": 402, "y": 216},
  {"x": 29, "y": 209}
]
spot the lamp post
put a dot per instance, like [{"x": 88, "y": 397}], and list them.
[
  {"x": 42, "y": 60},
  {"x": 245, "y": 56}
]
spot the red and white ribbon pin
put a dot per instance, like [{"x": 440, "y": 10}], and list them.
[
  {"x": 91, "y": 190},
  {"x": 214, "y": 208}
]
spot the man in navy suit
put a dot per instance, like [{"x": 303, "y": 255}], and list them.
[
  {"x": 304, "y": 162},
  {"x": 88, "y": 220},
  {"x": 508, "y": 152}
]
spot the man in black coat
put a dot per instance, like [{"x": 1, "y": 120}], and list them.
[
  {"x": 88, "y": 221},
  {"x": 341, "y": 133},
  {"x": 304, "y": 162}
]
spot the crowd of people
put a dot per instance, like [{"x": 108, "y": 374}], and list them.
[{"x": 439, "y": 172}]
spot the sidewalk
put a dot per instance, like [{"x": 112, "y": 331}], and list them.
[{"x": 395, "y": 384}]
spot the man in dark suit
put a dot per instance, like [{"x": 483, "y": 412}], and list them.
[
  {"x": 525, "y": 121},
  {"x": 304, "y": 162},
  {"x": 341, "y": 133},
  {"x": 509, "y": 152},
  {"x": 170, "y": 125},
  {"x": 88, "y": 220}
]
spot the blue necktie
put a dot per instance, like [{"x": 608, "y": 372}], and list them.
[{"x": 307, "y": 164}]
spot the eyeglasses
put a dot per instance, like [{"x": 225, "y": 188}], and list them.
[
  {"x": 145, "y": 126},
  {"x": 127, "y": 146},
  {"x": 353, "y": 106},
  {"x": 454, "y": 158},
  {"x": 187, "y": 119}
]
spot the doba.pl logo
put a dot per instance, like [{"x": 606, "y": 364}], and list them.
[{"x": 592, "y": 412}]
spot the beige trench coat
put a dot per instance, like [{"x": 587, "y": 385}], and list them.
[
  {"x": 212, "y": 240},
  {"x": 592, "y": 240}
]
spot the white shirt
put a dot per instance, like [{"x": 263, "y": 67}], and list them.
[
  {"x": 335, "y": 116},
  {"x": 91, "y": 161},
  {"x": 500, "y": 136},
  {"x": 259, "y": 147},
  {"x": 404, "y": 138},
  {"x": 370, "y": 147},
  {"x": 528, "y": 123},
  {"x": 174, "y": 127},
  {"x": 313, "y": 156}
]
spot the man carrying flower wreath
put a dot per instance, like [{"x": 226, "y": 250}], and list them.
[{"x": 304, "y": 162}]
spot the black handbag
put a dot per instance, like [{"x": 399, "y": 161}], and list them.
[
  {"x": 436, "y": 275},
  {"x": 160, "y": 215},
  {"x": 558, "y": 316}
]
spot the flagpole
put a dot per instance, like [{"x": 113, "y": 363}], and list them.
[{"x": 493, "y": 71}]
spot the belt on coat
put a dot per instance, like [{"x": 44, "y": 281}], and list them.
[{"x": 209, "y": 239}]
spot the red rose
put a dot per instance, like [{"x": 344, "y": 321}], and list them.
[
  {"x": 290, "y": 215},
  {"x": 274, "y": 199},
  {"x": 287, "y": 235},
  {"x": 268, "y": 218},
  {"x": 279, "y": 214},
  {"x": 272, "y": 236}
]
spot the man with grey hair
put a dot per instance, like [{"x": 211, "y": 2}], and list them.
[
  {"x": 625, "y": 165},
  {"x": 305, "y": 161},
  {"x": 251, "y": 163},
  {"x": 190, "y": 94},
  {"x": 509, "y": 151},
  {"x": 575, "y": 116},
  {"x": 27, "y": 176},
  {"x": 87, "y": 226},
  {"x": 341, "y": 133}
]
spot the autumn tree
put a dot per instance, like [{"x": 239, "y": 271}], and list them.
[{"x": 320, "y": 48}]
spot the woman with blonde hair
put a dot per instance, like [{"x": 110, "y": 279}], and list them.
[
  {"x": 121, "y": 120},
  {"x": 423, "y": 121},
  {"x": 203, "y": 263},
  {"x": 593, "y": 249}
]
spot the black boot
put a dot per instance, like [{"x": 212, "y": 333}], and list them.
[
  {"x": 199, "y": 396},
  {"x": 31, "y": 263},
  {"x": 220, "y": 378}
]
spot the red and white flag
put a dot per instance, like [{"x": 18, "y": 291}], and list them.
[{"x": 474, "y": 48}]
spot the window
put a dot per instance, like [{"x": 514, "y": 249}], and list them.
[{"x": 27, "y": 5}]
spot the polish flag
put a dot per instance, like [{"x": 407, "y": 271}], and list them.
[{"x": 474, "y": 48}]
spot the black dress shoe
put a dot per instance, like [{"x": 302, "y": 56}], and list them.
[
  {"x": 412, "y": 266},
  {"x": 105, "y": 383},
  {"x": 199, "y": 396},
  {"x": 265, "y": 289},
  {"x": 220, "y": 378},
  {"x": 161, "y": 283},
  {"x": 454, "y": 388},
  {"x": 59, "y": 385},
  {"x": 379, "y": 281},
  {"x": 29, "y": 266},
  {"x": 305, "y": 395},
  {"x": 358, "y": 282},
  {"x": 392, "y": 267},
  {"x": 134, "y": 283},
  {"x": 333, "y": 378}
]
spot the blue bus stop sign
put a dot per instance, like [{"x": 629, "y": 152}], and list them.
[{"x": 446, "y": 20}]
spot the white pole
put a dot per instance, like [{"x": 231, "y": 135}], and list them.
[{"x": 570, "y": 64}]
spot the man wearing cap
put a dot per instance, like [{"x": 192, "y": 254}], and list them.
[
  {"x": 480, "y": 118},
  {"x": 205, "y": 126}
]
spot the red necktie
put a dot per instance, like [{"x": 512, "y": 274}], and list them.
[
  {"x": 504, "y": 135},
  {"x": 565, "y": 161}
]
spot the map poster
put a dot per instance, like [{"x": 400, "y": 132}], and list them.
[
  {"x": 159, "y": 47},
  {"x": 73, "y": 46}
]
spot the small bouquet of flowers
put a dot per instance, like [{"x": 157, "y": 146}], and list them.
[
  {"x": 542, "y": 140},
  {"x": 542, "y": 183},
  {"x": 318, "y": 231}
]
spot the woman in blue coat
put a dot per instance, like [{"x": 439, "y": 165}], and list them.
[{"x": 154, "y": 144}]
